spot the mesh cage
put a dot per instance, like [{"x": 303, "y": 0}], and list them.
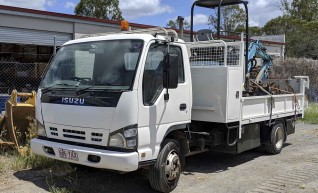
[
  {"x": 215, "y": 54},
  {"x": 234, "y": 54}
]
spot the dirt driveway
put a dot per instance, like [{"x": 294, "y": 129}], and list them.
[{"x": 294, "y": 170}]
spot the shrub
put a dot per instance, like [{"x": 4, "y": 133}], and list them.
[
  {"x": 311, "y": 114},
  {"x": 298, "y": 67}
]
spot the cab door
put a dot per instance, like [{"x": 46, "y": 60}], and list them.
[{"x": 157, "y": 116}]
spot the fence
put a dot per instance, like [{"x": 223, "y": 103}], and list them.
[{"x": 24, "y": 77}]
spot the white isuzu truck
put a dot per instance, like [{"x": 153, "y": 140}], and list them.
[{"x": 148, "y": 99}]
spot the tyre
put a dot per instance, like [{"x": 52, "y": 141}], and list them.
[
  {"x": 276, "y": 139},
  {"x": 165, "y": 173}
]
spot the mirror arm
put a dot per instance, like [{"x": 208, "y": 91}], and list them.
[{"x": 166, "y": 95}]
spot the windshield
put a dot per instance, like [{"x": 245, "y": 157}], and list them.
[{"x": 103, "y": 64}]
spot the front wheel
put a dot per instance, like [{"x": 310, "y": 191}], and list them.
[
  {"x": 276, "y": 139},
  {"x": 165, "y": 173}
]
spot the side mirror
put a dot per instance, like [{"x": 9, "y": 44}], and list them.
[{"x": 170, "y": 71}]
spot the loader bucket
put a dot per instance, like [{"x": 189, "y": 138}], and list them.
[{"x": 16, "y": 120}]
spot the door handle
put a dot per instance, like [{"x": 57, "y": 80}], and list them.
[{"x": 183, "y": 107}]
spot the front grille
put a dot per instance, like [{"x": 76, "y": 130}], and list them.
[
  {"x": 97, "y": 134},
  {"x": 97, "y": 137},
  {"x": 97, "y": 140},
  {"x": 74, "y": 131},
  {"x": 53, "y": 128},
  {"x": 74, "y": 136},
  {"x": 84, "y": 135},
  {"x": 54, "y": 131},
  {"x": 79, "y": 134}
]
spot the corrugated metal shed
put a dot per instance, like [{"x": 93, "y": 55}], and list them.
[{"x": 35, "y": 37}]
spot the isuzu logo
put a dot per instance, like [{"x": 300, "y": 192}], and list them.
[{"x": 74, "y": 101}]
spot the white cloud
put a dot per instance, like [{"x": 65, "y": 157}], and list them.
[
  {"x": 70, "y": 5},
  {"x": 32, "y": 4},
  {"x": 261, "y": 11},
  {"x": 137, "y": 8},
  {"x": 198, "y": 19}
]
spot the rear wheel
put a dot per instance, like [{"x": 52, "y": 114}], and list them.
[
  {"x": 276, "y": 139},
  {"x": 165, "y": 173}
]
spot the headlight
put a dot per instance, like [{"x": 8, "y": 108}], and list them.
[
  {"x": 41, "y": 129},
  {"x": 117, "y": 140},
  {"x": 124, "y": 138}
]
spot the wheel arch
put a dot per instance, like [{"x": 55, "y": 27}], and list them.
[
  {"x": 177, "y": 132},
  {"x": 266, "y": 129}
]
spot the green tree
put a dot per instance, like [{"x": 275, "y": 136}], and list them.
[
  {"x": 302, "y": 39},
  {"x": 104, "y": 9},
  {"x": 278, "y": 25},
  {"x": 300, "y": 25},
  {"x": 174, "y": 24},
  {"x": 301, "y": 9},
  {"x": 232, "y": 17},
  {"x": 253, "y": 30}
]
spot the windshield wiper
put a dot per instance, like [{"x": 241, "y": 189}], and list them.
[
  {"x": 84, "y": 89},
  {"x": 47, "y": 89},
  {"x": 81, "y": 91}
]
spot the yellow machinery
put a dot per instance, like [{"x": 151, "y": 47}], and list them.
[{"x": 14, "y": 126}]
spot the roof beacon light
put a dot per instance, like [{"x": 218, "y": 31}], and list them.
[{"x": 124, "y": 25}]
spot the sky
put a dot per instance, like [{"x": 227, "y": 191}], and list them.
[{"x": 157, "y": 12}]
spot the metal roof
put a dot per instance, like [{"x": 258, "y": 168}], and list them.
[{"x": 62, "y": 16}]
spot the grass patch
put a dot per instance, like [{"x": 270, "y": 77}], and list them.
[
  {"x": 70, "y": 184},
  {"x": 311, "y": 114},
  {"x": 57, "y": 170},
  {"x": 2, "y": 168},
  {"x": 54, "y": 189},
  {"x": 28, "y": 160},
  {"x": 32, "y": 161},
  {"x": 24, "y": 159}
]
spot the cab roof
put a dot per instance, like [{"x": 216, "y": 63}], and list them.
[{"x": 145, "y": 37}]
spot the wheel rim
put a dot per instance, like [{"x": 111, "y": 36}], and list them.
[
  {"x": 279, "y": 137},
  {"x": 172, "y": 166}
]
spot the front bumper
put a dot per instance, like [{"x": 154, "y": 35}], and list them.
[{"x": 120, "y": 161}]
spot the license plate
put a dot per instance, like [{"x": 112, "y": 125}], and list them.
[{"x": 68, "y": 154}]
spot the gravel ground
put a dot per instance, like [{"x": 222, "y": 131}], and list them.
[{"x": 295, "y": 170}]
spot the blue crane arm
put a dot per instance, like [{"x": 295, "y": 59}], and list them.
[{"x": 256, "y": 49}]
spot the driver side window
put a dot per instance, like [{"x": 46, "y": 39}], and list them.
[{"x": 152, "y": 84}]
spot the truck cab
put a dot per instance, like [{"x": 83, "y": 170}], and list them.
[{"x": 102, "y": 102}]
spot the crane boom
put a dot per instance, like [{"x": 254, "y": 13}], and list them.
[{"x": 257, "y": 50}]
